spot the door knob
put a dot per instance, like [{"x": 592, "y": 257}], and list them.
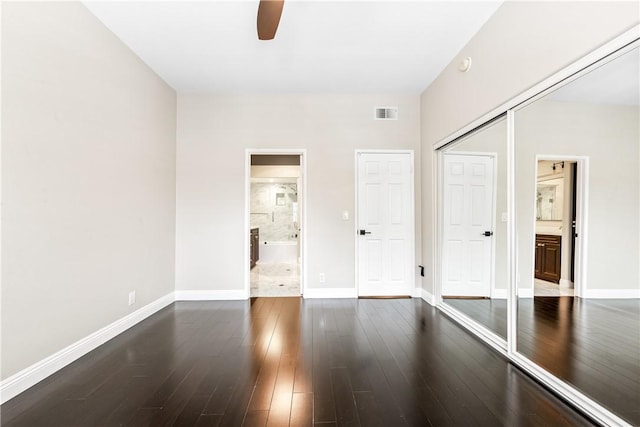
[
  {"x": 363, "y": 232},
  {"x": 488, "y": 233}
]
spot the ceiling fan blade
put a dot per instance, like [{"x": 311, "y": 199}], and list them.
[{"x": 269, "y": 12}]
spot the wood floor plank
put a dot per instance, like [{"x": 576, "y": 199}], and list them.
[
  {"x": 192, "y": 411},
  {"x": 280, "y": 409},
  {"x": 346, "y": 410},
  {"x": 208, "y": 420},
  {"x": 301, "y": 410},
  {"x": 256, "y": 419},
  {"x": 287, "y": 361}
]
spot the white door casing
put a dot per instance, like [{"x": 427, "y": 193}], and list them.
[
  {"x": 385, "y": 213},
  {"x": 302, "y": 212},
  {"x": 468, "y": 213}
]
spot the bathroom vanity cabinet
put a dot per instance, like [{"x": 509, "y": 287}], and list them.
[
  {"x": 548, "y": 257},
  {"x": 254, "y": 244}
]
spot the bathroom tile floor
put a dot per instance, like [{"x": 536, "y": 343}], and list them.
[
  {"x": 275, "y": 280},
  {"x": 548, "y": 289}
]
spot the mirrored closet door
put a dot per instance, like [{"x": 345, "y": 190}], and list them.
[
  {"x": 544, "y": 207},
  {"x": 577, "y": 196}
]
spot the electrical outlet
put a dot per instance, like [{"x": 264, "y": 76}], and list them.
[
  {"x": 322, "y": 278},
  {"x": 505, "y": 217},
  {"x": 132, "y": 297}
]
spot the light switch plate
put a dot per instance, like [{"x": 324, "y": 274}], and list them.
[{"x": 345, "y": 215}]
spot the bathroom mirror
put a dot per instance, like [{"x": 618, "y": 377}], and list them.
[
  {"x": 549, "y": 199},
  {"x": 474, "y": 226},
  {"x": 578, "y": 248}
]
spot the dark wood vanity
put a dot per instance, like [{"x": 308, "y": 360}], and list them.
[
  {"x": 254, "y": 244},
  {"x": 548, "y": 257}
]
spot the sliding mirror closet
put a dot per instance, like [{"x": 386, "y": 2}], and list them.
[
  {"x": 577, "y": 154},
  {"x": 539, "y": 233}
]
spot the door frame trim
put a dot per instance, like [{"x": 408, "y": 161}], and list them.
[
  {"x": 247, "y": 208},
  {"x": 412, "y": 186},
  {"x": 493, "y": 292}
]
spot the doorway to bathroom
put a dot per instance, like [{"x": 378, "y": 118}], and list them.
[
  {"x": 274, "y": 223},
  {"x": 558, "y": 217}
]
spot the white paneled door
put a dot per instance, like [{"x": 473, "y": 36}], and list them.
[
  {"x": 468, "y": 225},
  {"x": 385, "y": 224}
]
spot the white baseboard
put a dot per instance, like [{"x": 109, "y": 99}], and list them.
[
  {"x": 499, "y": 293},
  {"x": 525, "y": 293},
  {"x": 611, "y": 293},
  {"x": 330, "y": 293},
  {"x": 428, "y": 297},
  {"x": 28, "y": 377},
  {"x": 209, "y": 295}
]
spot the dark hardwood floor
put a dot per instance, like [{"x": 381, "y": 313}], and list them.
[
  {"x": 287, "y": 361},
  {"x": 491, "y": 313},
  {"x": 593, "y": 344}
]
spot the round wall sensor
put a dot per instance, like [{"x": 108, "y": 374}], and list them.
[{"x": 465, "y": 65}]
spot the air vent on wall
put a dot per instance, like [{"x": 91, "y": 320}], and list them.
[{"x": 386, "y": 113}]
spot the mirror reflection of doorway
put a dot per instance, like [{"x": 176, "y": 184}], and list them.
[
  {"x": 275, "y": 223},
  {"x": 556, "y": 193}
]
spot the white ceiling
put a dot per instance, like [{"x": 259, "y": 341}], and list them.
[{"x": 320, "y": 47}]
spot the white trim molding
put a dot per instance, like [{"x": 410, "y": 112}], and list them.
[
  {"x": 330, "y": 293},
  {"x": 495, "y": 341},
  {"x": 525, "y": 293},
  {"x": 612, "y": 293},
  {"x": 428, "y": 297},
  {"x": 30, "y": 376},
  {"x": 212, "y": 295},
  {"x": 499, "y": 293}
]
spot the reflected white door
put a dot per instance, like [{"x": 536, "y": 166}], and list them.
[
  {"x": 468, "y": 225},
  {"x": 385, "y": 224}
]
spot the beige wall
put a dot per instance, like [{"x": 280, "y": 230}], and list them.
[
  {"x": 521, "y": 45},
  {"x": 88, "y": 180},
  {"x": 213, "y": 134}
]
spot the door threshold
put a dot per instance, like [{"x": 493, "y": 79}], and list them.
[
  {"x": 385, "y": 297},
  {"x": 462, "y": 297}
]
